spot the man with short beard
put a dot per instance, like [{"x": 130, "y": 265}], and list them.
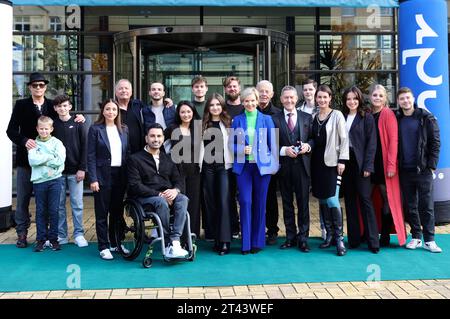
[
  {"x": 234, "y": 107},
  {"x": 165, "y": 116}
]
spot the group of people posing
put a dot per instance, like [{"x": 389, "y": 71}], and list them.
[{"x": 199, "y": 156}]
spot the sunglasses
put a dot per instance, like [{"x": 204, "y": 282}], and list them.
[{"x": 38, "y": 85}]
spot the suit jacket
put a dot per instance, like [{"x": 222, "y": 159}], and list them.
[
  {"x": 264, "y": 146},
  {"x": 99, "y": 155},
  {"x": 304, "y": 122},
  {"x": 144, "y": 117},
  {"x": 22, "y": 125},
  {"x": 364, "y": 141}
]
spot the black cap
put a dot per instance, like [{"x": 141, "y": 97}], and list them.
[{"x": 37, "y": 77}]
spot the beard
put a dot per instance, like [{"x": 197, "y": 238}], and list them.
[{"x": 233, "y": 96}]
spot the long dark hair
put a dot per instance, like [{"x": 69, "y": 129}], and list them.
[
  {"x": 359, "y": 96},
  {"x": 224, "y": 117},
  {"x": 117, "y": 120},
  {"x": 195, "y": 115}
]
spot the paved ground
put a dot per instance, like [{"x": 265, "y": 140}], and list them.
[{"x": 414, "y": 289}]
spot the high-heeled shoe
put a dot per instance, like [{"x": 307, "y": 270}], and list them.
[{"x": 224, "y": 249}]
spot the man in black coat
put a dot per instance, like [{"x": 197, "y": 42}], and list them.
[
  {"x": 419, "y": 147},
  {"x": 265, "y": 90},
  {"x": 154, "y": 179},
  {"x": 22, "y": 132},
  {"x": 295, "y": 144}
]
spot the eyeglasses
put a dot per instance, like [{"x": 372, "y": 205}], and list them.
[{"x": 38, "y": 85}]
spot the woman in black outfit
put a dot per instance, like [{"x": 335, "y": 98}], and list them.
[
  {"x": 356, "y": 179},
  {"x": 216, "y": 160},
  {"x": 185, "y": 148}
]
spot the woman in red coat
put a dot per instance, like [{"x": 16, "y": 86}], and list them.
[{"x": 385, "y": 175}]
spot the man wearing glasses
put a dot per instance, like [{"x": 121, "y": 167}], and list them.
[{"x": 22, "y": 131}]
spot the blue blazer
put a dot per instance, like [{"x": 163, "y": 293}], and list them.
[
  {"x": 99, "y": 155},
  {"x": 150, "y": 118},
  {"x": 264, "y": 145}
]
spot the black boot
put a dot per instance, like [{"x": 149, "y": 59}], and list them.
[
  {"x": 338, "y": 230},
  {"x": 327, "y": 220}
]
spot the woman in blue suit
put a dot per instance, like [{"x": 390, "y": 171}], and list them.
[
  {"x": 107, "y": 154},
  {"x": 255, "y": 160}
]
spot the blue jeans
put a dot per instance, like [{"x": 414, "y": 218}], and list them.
[
  {"x": 24, "y": 191},
  {"x": 47, "y": 196},
  {"x": 162, "y": 208},
  {"x": 76, "y": 202}
]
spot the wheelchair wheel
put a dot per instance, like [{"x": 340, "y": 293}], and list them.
[
  {"x": 130, "y": 233},
  {"x": 147, "y": 262}
]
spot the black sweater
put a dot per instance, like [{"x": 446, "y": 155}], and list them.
[
  {"x": 144, "y": 180},
  {"x": 73, "y": 136}
]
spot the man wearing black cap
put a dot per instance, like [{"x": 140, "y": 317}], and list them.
[{"x": 22, "y": 132}]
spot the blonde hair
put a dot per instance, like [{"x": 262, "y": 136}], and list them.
[
  {"x": 249, "y": 91},
  {"x": 45, "y": 120},
  {"x": 375, "y": 87}
]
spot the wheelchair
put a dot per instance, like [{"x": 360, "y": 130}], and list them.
[{"x": 140, "y": 223}]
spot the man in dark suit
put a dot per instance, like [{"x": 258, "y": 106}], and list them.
[
  {"x": 22, "y": 132},
  {"x": 295, "y": 144},
  {"x": 132, "y": 113},
  {"x": 154, "y": 179}
]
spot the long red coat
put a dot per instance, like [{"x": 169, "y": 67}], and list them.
[{"x": 388, "y": 128}]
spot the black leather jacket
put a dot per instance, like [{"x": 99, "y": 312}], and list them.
[{"x": 429, "y": 142}]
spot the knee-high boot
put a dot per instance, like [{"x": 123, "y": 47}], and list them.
[
  {"x": 338, "y": 230},
  {"x": 328, "y": 222}
]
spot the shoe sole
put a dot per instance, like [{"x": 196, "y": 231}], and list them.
[{"x": 436, "y": 251}]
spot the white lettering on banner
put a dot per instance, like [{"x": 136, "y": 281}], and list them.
[
  {"x": 423, "y": 55},
  {"x": 424, "y": 31},
  {"x": 430, "y": 94}
]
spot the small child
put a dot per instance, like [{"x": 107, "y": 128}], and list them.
[
  {"x": 73, "y": 136},
  {"x": 47, "y": 163}
]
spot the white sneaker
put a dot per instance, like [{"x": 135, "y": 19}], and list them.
[
  {"x": 63, "y": 241},
  {"x": 81, "y": 241},
  {"x": 106, "y": 254},
  {"x": 432, "y": 246},
  {"x": 175, "y": 250},
  {"x": 48, "y": 244},
  {"x": 125, "y": 251},
  {"x": 414, "y": 243}
]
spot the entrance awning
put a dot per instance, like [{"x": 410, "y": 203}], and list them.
[{"x": 212, "y": 3}]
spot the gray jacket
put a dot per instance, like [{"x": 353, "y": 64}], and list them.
[{"x": 336, "y": 148}]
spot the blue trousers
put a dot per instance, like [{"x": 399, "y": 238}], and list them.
[
  {"x": 47, "y": 196},
  {"x": 252, "y": 204}
]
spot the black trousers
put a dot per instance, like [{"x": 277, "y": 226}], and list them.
[
  {"x": 216, "y": 192},
  {"x": 234, "y": 214},
  {"x": 295, "y": 180},
  {"x": 191, "y": 187},
  {"x": 418, "y": 195},
  {"x": 109, "y": 202},
  {"x": 357, "y": 191},
  {"x": 272, "y": 207}
]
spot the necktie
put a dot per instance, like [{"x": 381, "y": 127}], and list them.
[{"x": 291, "y": 124}]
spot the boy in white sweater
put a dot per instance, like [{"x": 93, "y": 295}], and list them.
[{"x": 47, "y": 163}]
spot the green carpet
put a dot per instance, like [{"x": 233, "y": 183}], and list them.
[{"x": 24, "y": 270}]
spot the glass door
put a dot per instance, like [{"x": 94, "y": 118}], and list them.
[{"x": 176, "y": 66}]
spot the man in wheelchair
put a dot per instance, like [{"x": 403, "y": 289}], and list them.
[{"x": 154, "y": 179}]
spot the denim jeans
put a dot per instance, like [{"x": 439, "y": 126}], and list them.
[
  {"x": 76, "y": 202},
  {"x": 47, "y": 196},
  {"x": 162, "y": 208},
  {"x": 24, "y": 191}
]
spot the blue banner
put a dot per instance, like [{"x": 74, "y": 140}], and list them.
[
  {"x": 423, "y": 61},
  {"x": 213, "y": 3}
]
